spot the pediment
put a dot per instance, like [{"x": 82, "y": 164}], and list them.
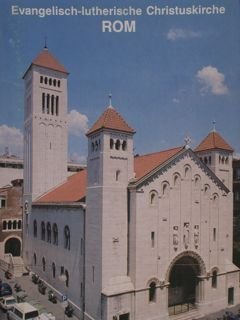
[{"x": 163, "y": 168}]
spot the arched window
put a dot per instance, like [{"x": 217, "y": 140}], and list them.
[
  {"x": 43, "y": 264},
  {"x": 43, "y": 102},
  {"x": 59, "y": 83},
  {"x": 52, "y": 104},
  {"x": 45, "y": 80},
  {"x": 9, "y": 225},
  {"x": 66, "y": 237},
  {"x": 118, "y": 175},
  {"x": 54, "y": 82},
  {"x": 48, "y": 103},
  {"x": 43, "y": 230},
  {"x": 176, "y": 180},
  {"x": 117, "y": 145},
  {"x": 153, "y": 198},
  {"x": 67, "y": 278},
  {"x": 206, "y": 190},
  {"x": 111, "y": 143},
  {"x": 19, "y": 224},
  {"x": 53, "y": 270},
  {"x": 187, "y": 172},
  {"x": 50, "y": 81},
  {"x": 35, "y": 228},
  {"x": 197, "y": 181},
  {"x": 41, "y": 79},
  {"x": 57, "y": 105},
  {"x": 165, "y": 189},
  {"x": 49, "y": 232},
  {"x": 14, "y": 225},
  {"x": 4, "y": 225},
  {"x": 55, "y": 234},
  {"x": 124, "y": 145},
  {"x": 214, "y": 279},
  {"x": 152, "y": 292},
  {"x": 35, "y": 259}
]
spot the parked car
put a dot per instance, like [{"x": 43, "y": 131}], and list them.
[
  {"x": 7, "y": 302},
  {"x": 5, "y": 290},
  {"x": 23, "y": 311}
]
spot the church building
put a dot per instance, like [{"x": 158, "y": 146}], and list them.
[{"x": 145, "y": 237}]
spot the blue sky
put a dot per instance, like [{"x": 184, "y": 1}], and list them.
[{"x": 169, "y": 79}]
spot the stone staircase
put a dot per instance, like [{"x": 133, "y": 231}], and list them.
[
  {"x": 190, "y": 315},
  {"x": 17, "y": 266}
]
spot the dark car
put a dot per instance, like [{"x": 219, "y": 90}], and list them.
[{"x": 5, "y": 290}]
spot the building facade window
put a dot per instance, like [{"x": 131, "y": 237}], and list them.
[
  {"x": 53, "y": 270},
  {"x": 152, "y": 292},
  {"x": 43, "y": 231},
  {"x": 35, "y": 228},
  {"x": 35, "y": 259},
  {"x": 66, "y": 237},
  {"x": 214, "y": 279},
  {"x": 49, "y": 232},
  {"x": 3, "y": 202},
  {"x": 44, "y": 264},
  {"x": 55, "y": 234},
  {"x": 67, "y": 278}
]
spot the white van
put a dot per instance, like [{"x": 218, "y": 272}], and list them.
[{"x": 23, "y": 311}]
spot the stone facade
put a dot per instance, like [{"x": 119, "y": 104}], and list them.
[
  {"x": 11, "y": 219},
  {"x": 142, "y": 237}
]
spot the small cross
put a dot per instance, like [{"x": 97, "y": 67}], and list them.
[
  {"x": 187, "y": 141},
  {"x": 110, "y": 99},
  {"x": 45, "y": 42},
  {"x": 214, "y": 125}
]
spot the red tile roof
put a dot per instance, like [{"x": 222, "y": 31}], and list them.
[
  {"x": 111, "y": 119},
  {"x": 47, "y": 60},
  {"x": 75, "y": 188},
  {"x": 71, "y": 191},
  {"x": 214, "y": 141},
  {"x": 147, "y": 163}
]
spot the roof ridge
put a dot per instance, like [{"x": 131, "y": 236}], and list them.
[{"x": 157, "y": 152}]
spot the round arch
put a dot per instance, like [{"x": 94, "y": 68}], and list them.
[
  {"x": 183, "y": 279},
  {"x": 13, "y": 245}
]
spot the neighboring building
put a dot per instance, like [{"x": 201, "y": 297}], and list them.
[
  {"x": 11, "y": 219},
  {"x": 11, "y": 167},
  {"x": 236, "y": 211},
  {"x": 139, "y": 238}
]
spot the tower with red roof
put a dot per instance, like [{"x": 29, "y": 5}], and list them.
[
  {"x": 45, "y": 126},
  {"x": 217, "y": 154},
  {"x": 110, "y": 168}
]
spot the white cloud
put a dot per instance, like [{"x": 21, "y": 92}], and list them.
[
  {"x": 77, "y": 123},
  {"x": 78, "y": 158},
  {"x": 12, "y": 138},
  {"x": 211, "y": 80},
  {"x": 175, "y": 100},
  {"x": 177, "y": 33}
]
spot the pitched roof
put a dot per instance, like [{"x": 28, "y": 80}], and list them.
[
  {"x": 73, "y": 190},
  {"x": 147, "y": 163},
  {"x": 47, "y": 60},
  {"x": 111, "y": 119},
  {"x": 213, "y": 141}
]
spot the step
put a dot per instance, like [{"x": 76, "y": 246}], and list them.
[{"x": 188, "y": 315}]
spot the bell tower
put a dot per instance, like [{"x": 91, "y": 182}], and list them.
[
  {"x": 45, "y": 125},
  {"x": 217, "y": 154},
  {"x": 110, "y": 167}
]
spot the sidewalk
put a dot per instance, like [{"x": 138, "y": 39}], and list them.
[{"x": 37, "y": 299}]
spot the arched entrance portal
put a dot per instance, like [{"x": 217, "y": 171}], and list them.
[
  {"x": 183, "y": 279},
  {"x": 13, "y": 246}
]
